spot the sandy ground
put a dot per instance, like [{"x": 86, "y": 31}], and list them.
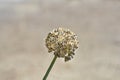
[{"x": 24, "y": 26}]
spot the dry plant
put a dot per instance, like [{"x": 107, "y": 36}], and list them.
[{"x": 63, "y": 43}]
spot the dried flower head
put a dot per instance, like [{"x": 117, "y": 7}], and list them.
[{"x": 62, "y": 42}]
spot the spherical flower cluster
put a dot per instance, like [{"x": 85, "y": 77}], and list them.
[{"x": 62, "y": 42}]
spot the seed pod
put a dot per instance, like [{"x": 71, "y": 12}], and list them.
[{"x": 62, "y": 42}]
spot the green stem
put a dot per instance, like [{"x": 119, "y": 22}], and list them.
[{"x": 50, "y": 67}]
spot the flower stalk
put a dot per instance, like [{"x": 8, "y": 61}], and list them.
[{"x": 50, "y": 67}]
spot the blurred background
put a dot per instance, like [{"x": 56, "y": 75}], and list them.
[{"x": 24, "y": 25}]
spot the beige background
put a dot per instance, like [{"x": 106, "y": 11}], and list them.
[{"x": 24, "y": 24}]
